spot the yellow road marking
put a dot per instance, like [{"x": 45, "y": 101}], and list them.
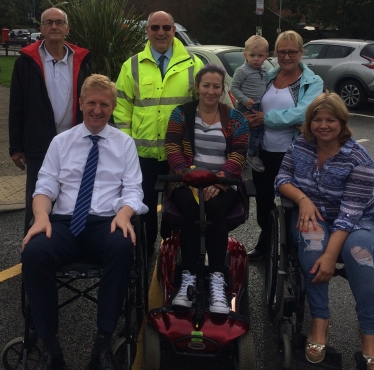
[
  {"x": 10, "y": 272},
  {"x": 155, "y": 301}
]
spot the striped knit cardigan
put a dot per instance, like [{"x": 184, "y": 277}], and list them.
[{"x": 180, "y": 139}]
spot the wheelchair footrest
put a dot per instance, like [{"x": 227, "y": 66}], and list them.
[{"x": 333, "y": 359}]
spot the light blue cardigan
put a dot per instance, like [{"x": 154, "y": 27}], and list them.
[{"x": 283, "y": 118}]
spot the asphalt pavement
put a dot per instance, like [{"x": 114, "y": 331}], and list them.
[{"x": 77, "y": 321}]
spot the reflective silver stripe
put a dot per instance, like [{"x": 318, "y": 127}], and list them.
[
  {"x": 191, "y": 79},
  {"x": 162, "y": 101},
  {"x": 135, "y": 75},
  {"x": 150, "y": 143},
  {"x": 123, "y": 125},
  {"x": 123, "y": 95}
]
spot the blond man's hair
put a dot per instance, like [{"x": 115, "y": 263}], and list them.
[{"x": 99, "y": 82}]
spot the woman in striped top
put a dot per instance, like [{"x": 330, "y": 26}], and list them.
[
  {"x": 206, "y": 133},
  {"x": 331, "y": 178}
]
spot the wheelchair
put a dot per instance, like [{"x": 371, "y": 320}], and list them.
[
  {"x": 285, "y": 292},
  {"x": 196, "y": 331},
  {"x": 25, "y": 352}
]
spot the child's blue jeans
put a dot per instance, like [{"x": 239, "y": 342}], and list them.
[{"x": 255, "y": 136}]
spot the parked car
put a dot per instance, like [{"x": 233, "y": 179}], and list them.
[
  {"x": 34, "y": 37},
  {"x": 19, "y": 33},
  {"x": 346, "y": 67},
  {"x": 229, "y": 57}
]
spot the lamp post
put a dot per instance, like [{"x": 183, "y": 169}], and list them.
[
  {"x": 259, "y": 11},
  {"x": 280, "y": 17}
]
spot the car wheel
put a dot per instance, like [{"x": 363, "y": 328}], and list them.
[{"x": 353, "y": 94}]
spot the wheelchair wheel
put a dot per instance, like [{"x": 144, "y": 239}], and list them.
[
  {"x": 120, "y": 353},
  {"x": 275, "y": 262},
  {"x": 245, "y": 357},
  {"x": 12, "y": 355},
  {"x": 286, "y": 352},
  {"x": 151, "y": 348}
]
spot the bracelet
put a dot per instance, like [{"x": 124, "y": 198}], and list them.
[{"x": 303, "y": 196}]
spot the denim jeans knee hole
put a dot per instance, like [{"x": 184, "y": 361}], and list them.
[
  {"x": 362, "y": 256},
  {"x": 313, "y": 239}
]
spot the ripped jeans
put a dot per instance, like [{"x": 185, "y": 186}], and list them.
[{"x": 357, "y": 254}]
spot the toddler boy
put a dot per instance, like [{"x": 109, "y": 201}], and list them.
[{"x": 247, "y": 86}]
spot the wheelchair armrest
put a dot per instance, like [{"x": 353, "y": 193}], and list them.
[
  {"x": 160, "y": 186},
  {"x": 250, "y": 188},
  {"x": 287, "y": 203}
]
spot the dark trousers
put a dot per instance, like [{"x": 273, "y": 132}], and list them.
[
  {"x": 216, "y": 233},
  {"x": 32, "y": 169},
  {"x": 264, "y": 183},
  {"x": 151, "y": 168},
  {"x": 42, "y": 256}
]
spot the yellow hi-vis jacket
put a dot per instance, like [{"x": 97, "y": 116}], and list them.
[{"x": 145, "y": 101}]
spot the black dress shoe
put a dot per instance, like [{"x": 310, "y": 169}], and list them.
[
  {"x": 103, "y": 361},
  {"x": 49, "y": 362},
  {"x": 255, "y": 255}
]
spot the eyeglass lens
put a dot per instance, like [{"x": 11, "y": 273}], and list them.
[
  {"x": 49, "y": 22},
  {"x": 291, "y": 53},
  {"x": 156, "y": 27}
]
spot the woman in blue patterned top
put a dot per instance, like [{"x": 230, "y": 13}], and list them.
[{"x": 331, "y": 178}]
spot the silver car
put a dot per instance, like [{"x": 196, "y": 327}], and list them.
[
  {"x": 346, "y": 67},
  {"x": 229, "y": 57}
]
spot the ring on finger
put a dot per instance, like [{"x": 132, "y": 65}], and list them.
[{"x": 301, "y": 218}]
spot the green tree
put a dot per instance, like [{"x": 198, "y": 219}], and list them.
[
  {"x": 108, "y": 29},
  {"x": 352, "y": 18},
  {"x": 8, "y": 14},
  {"x": 233, "y": 22}
]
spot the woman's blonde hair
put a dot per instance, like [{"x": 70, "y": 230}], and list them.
[
  {"x": 331, "y": 102},
  {"x": 289, "y": 36}
]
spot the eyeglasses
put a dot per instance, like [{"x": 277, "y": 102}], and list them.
[
  {"x": 156, "y": 27},
  {"x": 49, "y": 22},
  {"x": 290, "y": 53}
]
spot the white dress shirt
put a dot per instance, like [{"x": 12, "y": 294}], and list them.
[{"x": 118, "y": 179}]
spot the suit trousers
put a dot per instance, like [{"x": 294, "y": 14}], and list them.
[{"x": 42, "y": 256}]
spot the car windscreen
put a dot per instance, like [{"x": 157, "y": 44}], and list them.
[
  {"x": 231, "y": 61},
  {"x": 187, "y": 38},
  {"x": 368, "y": 51}
]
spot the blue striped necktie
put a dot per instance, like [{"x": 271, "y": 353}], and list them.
[{"x": 83, "y": 203}]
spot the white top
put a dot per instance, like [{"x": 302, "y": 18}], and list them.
[
  {"x": 59, "y": 82},
  {"x": 118, "y": 179},
  {"x": 277, "y": 140}
]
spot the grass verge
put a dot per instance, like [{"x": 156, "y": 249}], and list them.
[{"x": 6, "y": 69}]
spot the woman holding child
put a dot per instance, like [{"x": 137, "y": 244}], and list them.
[{"x": 291, "y": 87}]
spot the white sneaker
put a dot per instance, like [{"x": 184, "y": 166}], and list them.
[
  {"x": 255, "y": 163},
  {"x": 218, "y": 300},
  {"x": 181, "y": 298}
]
